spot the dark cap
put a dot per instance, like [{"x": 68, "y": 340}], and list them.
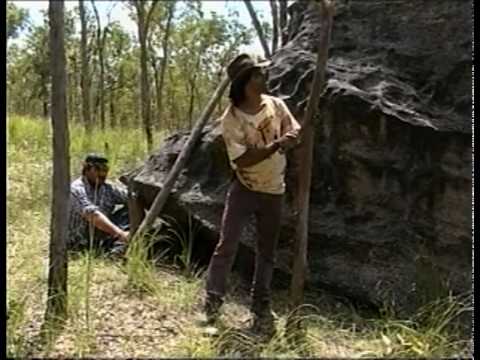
[
  {"x": 95, "y": 159},
  {"x": 244, "y": 62}
]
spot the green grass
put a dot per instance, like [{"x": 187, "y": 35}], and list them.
[{"x": 138, "y": 309}]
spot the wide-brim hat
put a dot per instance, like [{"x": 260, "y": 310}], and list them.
[{"x": 244, "y": 62}]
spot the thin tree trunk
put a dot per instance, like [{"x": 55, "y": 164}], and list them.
[
  {"x": 156, "y": 77},
  {"x": 191, "y": 103},
  {"x": 163, "y": 69},
  {"x": 70, "y": 101},
  {"x": 143, "y": 24},
  {"x": 45, "y": 109},
  {"x": 172, "y": 119},
  {"x": 57, "y": 275},
  {"x": 258, "y": 28},
  {"x": 113, "y": 116},
  {"x": 96, "y": 106},
  {"x": 283, "y": 21},
  {"x": 275, "y": 25},
  {"x": 85, "y": 76},
  {"x": 158, "y": 102},
  {"x": 102, "y": 87},
  {"x": 180, "y": 162},
  {"x": 76, "y": 97},
  {"x": 121, "y": 85},
  {"x": 192, "y": 82},
  {"x": 44, "y": 95},
  {"x": 145, "y": 92},
  {"x": 100, "y": 46},
  {"x": 304, "y": 157}
]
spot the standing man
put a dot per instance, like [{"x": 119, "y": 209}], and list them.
[
  {"x": 257, "y": 129},
  {"x": 92, "y": 210}
]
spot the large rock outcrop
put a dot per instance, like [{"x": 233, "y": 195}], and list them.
[{"x": 390, "y": 219}]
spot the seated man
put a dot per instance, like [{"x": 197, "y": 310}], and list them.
[{"x": 92, "y": 209}]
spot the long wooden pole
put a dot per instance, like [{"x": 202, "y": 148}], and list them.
[
  {"x": 258, "y": 27},
  {"x": 304, "y": 157},
  {"x": 181, "y": 160},
  {"x": 275, "y": 25}
]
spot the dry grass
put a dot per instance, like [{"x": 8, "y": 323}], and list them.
[{"x": 140, "y": 310}]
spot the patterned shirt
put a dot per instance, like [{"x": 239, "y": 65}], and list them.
[
  {"x": 242, "y": 131},
  {"x": 83, "y": 200}
]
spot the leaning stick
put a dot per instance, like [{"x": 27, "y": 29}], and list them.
[
  {"x": 304, "y": 155},
  {"x": 180, "y": 162}
]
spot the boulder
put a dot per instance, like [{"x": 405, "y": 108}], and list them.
[{"x": 390, "y": 211}]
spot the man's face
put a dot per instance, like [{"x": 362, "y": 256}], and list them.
[
  {"x": 97, "y": 174},
  {"x": 258, "y": 81}
]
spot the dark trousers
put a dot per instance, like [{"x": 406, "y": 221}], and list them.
[{"x": 241, "y": 203}]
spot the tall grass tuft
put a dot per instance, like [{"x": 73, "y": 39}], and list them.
[
  {"x": 139, "y": 265},
  {"x": 185, "y": 238}
]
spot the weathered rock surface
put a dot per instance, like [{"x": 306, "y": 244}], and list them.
[{"x": 390, "y": 219}]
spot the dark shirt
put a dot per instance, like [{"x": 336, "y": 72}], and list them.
[{"x": 84, "y": 200}]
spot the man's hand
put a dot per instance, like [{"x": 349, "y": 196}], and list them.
[
  {"x": 103, "y": 223},
  {"x": 289, "y": 140},
  {"x": 122, "y": 236}
]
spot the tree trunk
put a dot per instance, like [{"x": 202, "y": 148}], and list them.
[
  {"x": 145, "y": 93},
  {"x": 304, "y": 158},
  {"x": 158, "y": 102},
  {"x": 163, "y": 68},
  {"x": 57, "y": 275},
  {"x": 181, "y": 160},
  {"x": 45, "y": 109},
  {"x": 258, "y": 27},
  {"x": 100, "y": 47},
  {"x": 71, "y": 96},
  {"x": 113, "y": 116},
  {"x": 74, "y": 86},
  {"x": 173, "y": 112},
  {"x": 193, "y": 83},
  {"x": 156, "y": 78},
  {"x": 275, "y": 25},
  {"x": 95, "y": 107},
  {"x": 191, "y": 103},
  {"x": 85, "y": 76},
  {"x": 102, "y": 87},
  {"x": 121, "y": 85},
  {"x": 283, "y": 21},
  {"x": 143, "y": 22}
]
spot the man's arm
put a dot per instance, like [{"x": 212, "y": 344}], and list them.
[
  {"x": 90, "y": 212},
  {"x": 100, "y": 221},
  {"x": 254, "y": 155}
]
